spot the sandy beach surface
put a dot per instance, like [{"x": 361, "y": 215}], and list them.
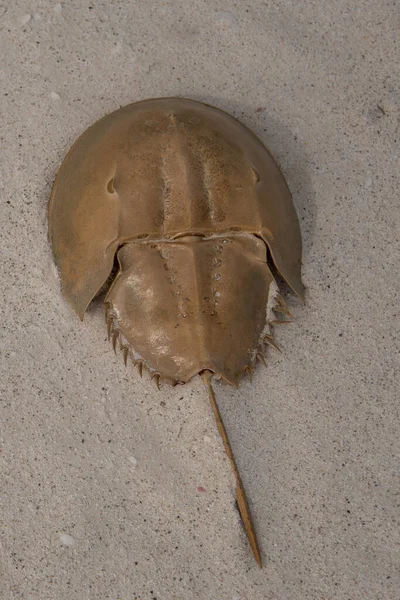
[{"x": 112, "y": 490}]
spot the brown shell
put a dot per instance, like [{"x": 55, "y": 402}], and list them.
[{"x": 162, "y": 170}]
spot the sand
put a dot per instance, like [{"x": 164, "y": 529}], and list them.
[{"x": 111, "y": 490}]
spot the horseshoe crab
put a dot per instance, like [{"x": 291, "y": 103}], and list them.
[{"x": 172, "y": 207}]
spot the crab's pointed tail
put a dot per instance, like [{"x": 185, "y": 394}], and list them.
[{"x": 240, "y": 493}]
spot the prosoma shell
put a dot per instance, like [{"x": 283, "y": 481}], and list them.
[{"x": 188, "y": 203}]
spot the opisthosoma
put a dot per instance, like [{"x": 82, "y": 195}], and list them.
[{"x": 173, "y": 207}]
